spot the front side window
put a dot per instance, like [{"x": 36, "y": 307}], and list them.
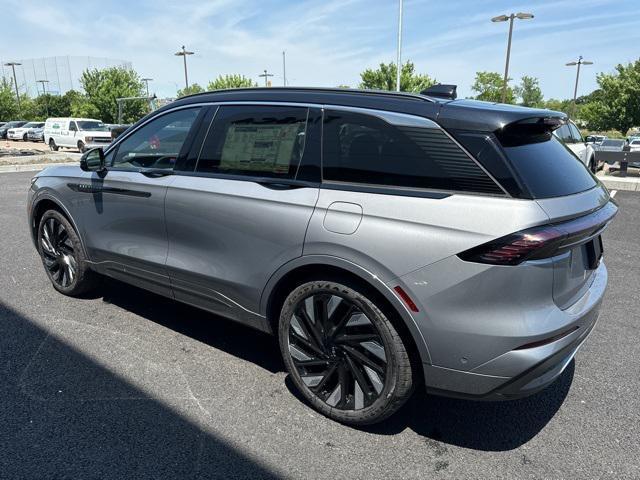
[
  {"x": 364, "y": 149},
  {"x": 575, "y": 133},
  {"x": 158, "y": 143},
  {"x": 564, "y": 134},
  {"x": 257, "y": 141}
]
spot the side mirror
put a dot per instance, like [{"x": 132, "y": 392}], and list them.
[{"x": 92, "y": 160}]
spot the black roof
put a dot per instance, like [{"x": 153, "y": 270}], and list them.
[{"x": 460, "y": 114}]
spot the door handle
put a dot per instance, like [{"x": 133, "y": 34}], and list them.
[{"x": 279, "y": 186}]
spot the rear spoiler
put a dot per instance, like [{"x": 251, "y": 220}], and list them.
[{"x": 530, "y": 130}]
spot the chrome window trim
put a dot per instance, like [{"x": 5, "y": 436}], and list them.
[{"x": 394, "y": 118}]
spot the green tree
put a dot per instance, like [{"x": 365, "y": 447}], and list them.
[
  {"x": 231, "y": 81},
  {"x": 8, "y": 103},
  {"x": 384, "y": 78},
  {"x": 529, "y": 92},
  {"x": 190, "y": 90},
  {"x": 616, "y": 104},
  {"x": 103, "y": 87},
  {"x": 488, "y": 86}
]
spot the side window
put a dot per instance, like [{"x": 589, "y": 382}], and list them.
[
  {"x": 564, "y": 134},
  {"x": 73, "y": 127},
  {"x": 575, "y": 133},
  {"x": 359, "y": 148},
  {"x": 158, "y": 143},
  {"x": 262, "y": 141}
]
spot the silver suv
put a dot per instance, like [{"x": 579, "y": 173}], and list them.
[{"x": 387, "y": 239}]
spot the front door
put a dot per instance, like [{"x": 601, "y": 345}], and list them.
[
  {"x": 123, "y": 209},
  {"x": 244, "y": 210}
]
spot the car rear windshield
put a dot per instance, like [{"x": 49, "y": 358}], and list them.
[
  {"x": 613, "y": 143},
  {"x": 548, "y": 167}
]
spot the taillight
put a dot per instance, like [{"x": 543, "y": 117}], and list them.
[{"x": 541, "y": 242}]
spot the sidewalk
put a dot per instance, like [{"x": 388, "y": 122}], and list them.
[
  {"x": 613, "y": 180},
  {"x": 28, "y": 163}
]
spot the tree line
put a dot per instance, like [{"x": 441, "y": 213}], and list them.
[{"x": 614, "y": 105}]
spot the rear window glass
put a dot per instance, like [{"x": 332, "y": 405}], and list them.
[{"x": 549, "y": 169}]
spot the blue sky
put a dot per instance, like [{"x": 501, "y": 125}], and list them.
[{"x": 329, "y": 42}]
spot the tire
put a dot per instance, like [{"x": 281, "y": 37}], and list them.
[
  {"x": 81, "y": 146},
  {"x": 24, "y": 137},
  {"x": 63, "y": 257},
  {"x": 354, "y": 367},
  {"x": 52, "y": 145},
  {"x": 593, "y": 166}
]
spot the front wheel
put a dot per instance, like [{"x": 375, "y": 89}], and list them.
[
  {"x": 593, "y": 166},
  {"x": 24, "y": 137},
  {"x": 62, "y": 255},
  {"x": 343, "y": 354},
  {"x": 81, "y": 146}
]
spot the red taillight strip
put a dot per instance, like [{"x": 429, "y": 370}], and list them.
[
  {"x": 406, "y": 298},
  {"x": 540, "y": 343},
  {"x": 541, "y": 242}
]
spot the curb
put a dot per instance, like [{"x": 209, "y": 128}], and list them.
[
  {"x": 620, "y": 183},
  {"x": 33, "y": 167}
]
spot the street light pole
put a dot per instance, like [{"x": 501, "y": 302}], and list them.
[
  {"x": 399, "y": 52},
  {"x": 284, "y": 69},
  {"x": 580, "y": 62},
  {"x": 183, "y": 53},
  {"x": 44, "y": 85},
  {"x": 266, "y": 77},
  {"x": 146, "y": 81},
  {"x": 15, "y": 81},
  {"x": 511, "y": 18}
]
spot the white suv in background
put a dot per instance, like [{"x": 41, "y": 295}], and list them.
[
  {"x": 571, "y": 137},
  {"x": 20, "y": 133},
  {"x": 80, "y": 133}
]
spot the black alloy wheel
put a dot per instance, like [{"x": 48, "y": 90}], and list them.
[
  {"x": 343, "y": 353},
  {"x": 58, "y": 253}
]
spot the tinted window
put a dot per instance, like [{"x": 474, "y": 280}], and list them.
[
  {"x": 360, "y": 148},
  {"x": 158, "y": 143},
  {"x": 564, "y": 134},
  {"x": 549, "y": 169},
  {"x": 613, "y": 143},
  {"x": 575, "y": 133},
  {"x": 262, "y": 141}
]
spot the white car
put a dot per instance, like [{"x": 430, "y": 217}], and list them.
[
  {"x": 634, "y": 145},
  {"x": 20, "y": 133},
  {"x": 80, "y": 133},
  {"x": 571, "y": 137}
]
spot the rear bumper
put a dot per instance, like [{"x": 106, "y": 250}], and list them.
[{"x": 510, "y": 349}]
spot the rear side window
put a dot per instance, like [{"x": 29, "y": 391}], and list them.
[
  {"x": 548, "y": 168},
  {"x": 257, "y": 141},
  {"x": 364, "y": 149}
]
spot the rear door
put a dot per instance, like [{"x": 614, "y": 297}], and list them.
[{"x": 241, "y": 209}]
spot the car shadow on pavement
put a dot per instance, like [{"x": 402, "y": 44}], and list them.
[
  {"x": 66, "y": 415},
  {"x": 479, "y": 425}
]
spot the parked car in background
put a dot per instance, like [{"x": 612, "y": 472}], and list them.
[
  {"x": 612, "y": 145},
  {"x": 572, "y": 138},
  {"x": 14, "y": 124},
  {"x": 20, "y": 133},
  {"x": 36, "y": 134},
  {"x": 634, "y": 145},
  {"x": 595, "y": 140},
  {"x": 388, "y": 240},
  {"x": 80, "y": 133},
  {"x": 2, "y": 124}
]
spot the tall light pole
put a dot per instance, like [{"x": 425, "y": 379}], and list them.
[
  {"x": 284, "y": 69},
  {"x": 504, "y": 18},
  {"x": 399, "y": 52},
  {"x": 44, "y": 85},
  {"x": 146, "y": 81},
  {"x": 266, "y": 77},
  {"x": 13, "y": 66},
  {"x": 183, "y": 53},
  {"x": 575, "y": 89}
]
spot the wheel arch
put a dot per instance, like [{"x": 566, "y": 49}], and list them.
[
  {"x": 47, "y": 202},
  {"x": 317, "y": 266}
]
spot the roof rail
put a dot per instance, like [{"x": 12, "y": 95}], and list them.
[{"x": 441, "y": 91}]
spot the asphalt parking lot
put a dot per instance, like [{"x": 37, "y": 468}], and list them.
[{"x": 131, "y": 385}]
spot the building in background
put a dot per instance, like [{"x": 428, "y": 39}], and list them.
[{"x": 62, "y": 73}]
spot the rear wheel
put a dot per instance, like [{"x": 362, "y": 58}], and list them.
[
  {"x": 62, "y": 255},
  {"x": 24, "y": 137},
  {"x": 52, "y": 145},
  {"x": 343, "y": 353}
]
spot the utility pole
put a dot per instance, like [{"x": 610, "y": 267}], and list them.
[
  {"x": 504, "y": 18},
  {"x": 44, "y": 85},
  {"x": 266, "y": 77},
  {"x": 15, "y": 82},
  {"x": 284, "y": 69},
  {"x": 575, "y": 88},
  {"x": 183, "y": 53},
  {"x": 399, "y": 52},
  {"x": 146, "y": 81}
]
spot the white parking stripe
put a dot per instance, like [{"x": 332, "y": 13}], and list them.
[{"x": 613, "y": 193}]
